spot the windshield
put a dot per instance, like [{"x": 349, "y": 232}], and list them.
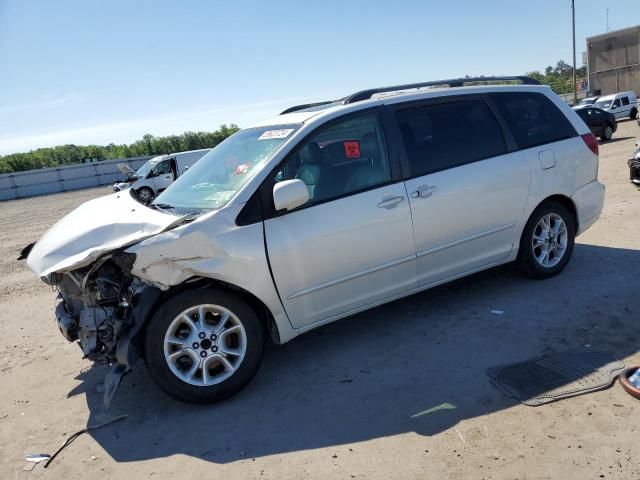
[
  {"x": 604, "y": 104},
  {"x": 586, "y": 101},
  {"x": 218, "y": 175},
  {"x": 146, "y": 168}
]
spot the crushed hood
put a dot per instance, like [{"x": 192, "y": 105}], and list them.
[{"x": 94, "y": 228}]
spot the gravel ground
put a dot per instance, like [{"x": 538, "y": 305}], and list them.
[{"x": 396, "y": 392}]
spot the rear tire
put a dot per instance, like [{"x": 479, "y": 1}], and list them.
[
  {"x": 547, "y": 241},
  {"x": 202, "y": 346},
  {"x": 634, "y": 114},
  {"x": 607, "y": 134}
]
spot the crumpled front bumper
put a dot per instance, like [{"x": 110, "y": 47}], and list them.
[
  {"x": 634, "y": 170},
  {"x": 67, "y": 325}
]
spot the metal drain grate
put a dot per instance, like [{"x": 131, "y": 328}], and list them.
[{"x": 553, "y": 377}]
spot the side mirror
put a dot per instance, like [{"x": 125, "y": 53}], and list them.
[{"x": 290, "y": 194}]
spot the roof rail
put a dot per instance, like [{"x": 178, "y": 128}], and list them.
[
  {"x": 307, "y": 105},
  {"x": 457, "y": 82}
]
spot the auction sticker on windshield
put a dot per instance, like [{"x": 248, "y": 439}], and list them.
[{"x": 281, "y": 133}]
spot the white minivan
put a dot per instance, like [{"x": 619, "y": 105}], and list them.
[
  {"x": 321, "y": 212},
  {"x": 157, "y": 173},
  {"x": 622, "y": 105}
]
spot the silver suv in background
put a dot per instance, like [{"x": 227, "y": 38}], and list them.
[{"x": 321, "y": 212}]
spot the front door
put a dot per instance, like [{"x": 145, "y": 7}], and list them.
[
  {"x": 163, "y": 174},
  {"x": 352, "y": 244},
  {"x": 467, "y": 192}
]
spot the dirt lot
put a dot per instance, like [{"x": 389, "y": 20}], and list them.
[{"x": 350, "y": 400}]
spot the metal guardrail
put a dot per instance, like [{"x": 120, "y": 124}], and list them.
[{"x": 66, "y": 178}]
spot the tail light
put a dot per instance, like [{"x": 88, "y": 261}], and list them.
[{"x": 591, "y": 141}]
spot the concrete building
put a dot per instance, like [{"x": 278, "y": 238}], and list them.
[{"x": 614, "y": 61}]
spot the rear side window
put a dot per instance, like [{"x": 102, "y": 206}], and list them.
[
  {"x": 532, "y": 118},
  {"x": 446, "y": 135},
  {"x": 625, "y": 101}
]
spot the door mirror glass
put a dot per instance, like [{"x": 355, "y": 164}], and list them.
[{"x": 290, "y": 194}]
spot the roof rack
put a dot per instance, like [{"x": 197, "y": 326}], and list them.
[
  {"x": 307, "y": 105},
  {"x": 456, "y": 82}
]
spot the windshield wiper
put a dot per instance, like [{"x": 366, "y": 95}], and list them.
[{"x": 164, "y": 206}]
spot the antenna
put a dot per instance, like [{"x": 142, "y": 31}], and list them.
[{"x": 607, "y": 19}]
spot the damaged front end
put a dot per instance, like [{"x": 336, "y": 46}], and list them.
[
  {"x": 101, "y": 304},
  {"x": 103, "y": 307}
]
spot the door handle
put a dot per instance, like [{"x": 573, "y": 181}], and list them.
[
  {"x": 424, "y": 191},
  {"x": 391, "y": 202}
]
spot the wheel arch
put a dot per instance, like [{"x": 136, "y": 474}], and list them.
[
  {"x": 564, "y": 201},
  {"x": 194, "y": 283}
]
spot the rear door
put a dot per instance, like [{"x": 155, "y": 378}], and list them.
[
  {"x": 467, "y": 186},
  {"x": 625, "y": 109},
  {"x": 352, "y": 244}
]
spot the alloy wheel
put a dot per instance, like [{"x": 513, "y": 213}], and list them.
[
  {"x": 549, "y": 241},
  {"x": 205, "y": 344}
]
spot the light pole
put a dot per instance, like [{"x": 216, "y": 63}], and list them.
[{"x": 573, "y": 25}]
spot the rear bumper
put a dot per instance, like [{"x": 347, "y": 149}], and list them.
[{"x": 589, "y": 201}]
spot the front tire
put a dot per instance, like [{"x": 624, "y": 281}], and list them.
[
  {"x": 145, "y": 194},
  {"x": 547, "y": 241},
  {"x": 607, "y": 134},
  {"x": 203, "y": 346}
]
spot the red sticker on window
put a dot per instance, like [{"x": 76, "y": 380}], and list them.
[
  {"x": 242, "y": 168},
  {"x": 352, "y": 149}
]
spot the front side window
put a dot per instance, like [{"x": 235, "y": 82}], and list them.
[
  {"x": 218, "y": 175},
  {"x": 616, "y": 103},
  {"x": 449, "y": 134},
  {"x": 344, "y": 158},
  {"x": 162, "y": 168},
  {"x": 532, "y": 118}
]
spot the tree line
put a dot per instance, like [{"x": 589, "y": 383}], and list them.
[
  {"x": 560, "y": 77},
  {"x": 147, "y": 145}
]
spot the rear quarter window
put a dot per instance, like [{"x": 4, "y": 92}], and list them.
[{"x": 532, "y": 118}]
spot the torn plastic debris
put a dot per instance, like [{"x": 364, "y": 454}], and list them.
[
  {"x": 37, "y": 457},
  {"x": 497, "y": 312}
]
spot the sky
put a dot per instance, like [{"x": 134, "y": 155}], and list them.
[{"x": 100, "y": 72}]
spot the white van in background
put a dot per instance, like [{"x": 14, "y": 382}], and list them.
[
  {"x": 158, "y": 173},
  {"x": 622, "y": 105}
]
